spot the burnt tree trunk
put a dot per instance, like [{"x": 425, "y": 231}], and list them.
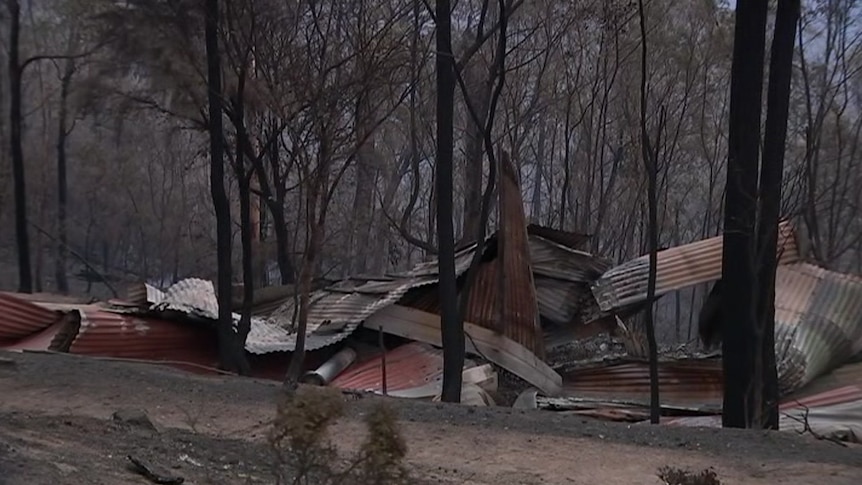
[
  {"x": 451, "y": 325},
  {"x": 62, "y": 184},
  {"x": 275, "y": 204},
  {"x": 482, "y": 87},
  {"x": 367, "y": 170},
  {"x": 244, "y": 175},
  {"x": 315, "y": 227},
  {"x": 772, "y": 169},
  {"x": 22, "y": 239},
  {"x": 739, "y": 268},
  {"x": 229, "y": 349},
  {"x": 650, "y": 161}
]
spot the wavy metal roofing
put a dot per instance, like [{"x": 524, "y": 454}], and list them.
[
  {"x": 818, "y": 322},
  {"x": 20, "y": 318},
  {"x": 680, "y": 267},
  {"x": 408, "y": 366},
  {"x": 103, "y": 333},
  {"x": 515, "y": 295},
  {"x": 686, "y": 383}
]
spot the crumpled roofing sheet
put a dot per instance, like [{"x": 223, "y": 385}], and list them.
[
  {"x": 625, "y": 285},
  {"x": 818, "y": 322},
  {"x": 561, "y": 276},
  {"x": 20, "y": 318},
  {"x": 835, "y": 414}
]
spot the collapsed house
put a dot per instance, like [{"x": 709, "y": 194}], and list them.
[{"x": 534, "y": 290}]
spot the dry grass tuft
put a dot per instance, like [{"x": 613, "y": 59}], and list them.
[
  {"x": 304, "y": 454},
  {"x": 677, "y": 476}
]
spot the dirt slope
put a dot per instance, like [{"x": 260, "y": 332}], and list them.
[{"x": 56, "y": 428}]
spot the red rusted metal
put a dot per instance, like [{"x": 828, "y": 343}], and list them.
[
  {"x": 516, "y": 291},
  {"x": 41, "y": 340},
  {"x": 113, "y": 335},
  {"x": 831, "y": 397},
  {"x": 20, "y": 318},
  {"x": 681, "y": 382},
  {"x": 411, "y": 365},
  {"x": 572, "y": 240}
]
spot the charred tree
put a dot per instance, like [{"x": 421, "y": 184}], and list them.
[
  {"x": 772, "y": 169},
  {"x": 451, "y": 326},
  {"x": 63, "y": 131},
  {"x": 244, "y": 175},
  {"x": 739, "y": 266},
  {"x": 480, "y": 85},
  {"x": 22, "y": 239},
  {"x": 229, "y": 348},
  {"x": 650, "y": 161},
  {"x": 286, "y": 267}
]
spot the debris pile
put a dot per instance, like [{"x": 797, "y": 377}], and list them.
[{"x": 538, "y": 329}]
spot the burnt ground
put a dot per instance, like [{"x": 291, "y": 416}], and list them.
[{"x": 56, "y": 427}]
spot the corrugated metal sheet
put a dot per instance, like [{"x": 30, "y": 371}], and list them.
[
  {"x": 841, "y": 395},
  {"x": 109, "y": 334},
  {"x": 41, "y": 340},
  {"x": 818, "y": 322},
  {"x": 680, "y": 267},
  {"x": 338, "y": 310},
  {"x": 688, "y": 383},
  {"x": 552, "y": 260},
  {"x": 333, "y": 316},
  {"x": 266, "y": 299},
  {"x": 191, "y": 296},
  {"x": 408, "y": 366},
  {"x": 515, "y": 294},
  {"x": 144, "y": 294},
  {"x": 571, "y": 240},
  {"x": 836, "y": 414},
  {"x": 20, "y": 318}
]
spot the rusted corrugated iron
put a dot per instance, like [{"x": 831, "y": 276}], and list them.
[
  {"x": 818, "y": 322},
  {"x": 572, "y": 240},
  {"x": 551, "y": 260},
  {"x": 680, "y": 267},
  {"x": 836, "y": 414},
  {"x": 40, "y": 340},
  {"x": 144, "y": 295},
  {"x": 515, "y": 294},
  {"x": 408, "y": 366},
  {"x": 831, "y": 397},
  {"x": 20, "y": 318},
  {"x": 109, "y": 334},
  {"x": 688, "y": 383}
]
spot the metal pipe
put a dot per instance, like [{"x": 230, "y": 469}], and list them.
[{"x": 330, "y": 369}]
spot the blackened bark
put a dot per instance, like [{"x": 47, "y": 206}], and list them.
[
  {"x": 452, "y": 327},
  {"x": 244, "y": 174},
  {"x": 775, "y": 135},
  {"x": 229, "y": 349},
  {"x": 738, "y": 257},
  {"x": 367, "y": 171},
  {"x": 650, "y": 160},
  {"x": 315, "y": 227},
  {"x": 275, "y": 204},
  {"x": 481, "y": 88},
  {"x": 22, "y": 239},
  {"x": 62, "y": 184}
]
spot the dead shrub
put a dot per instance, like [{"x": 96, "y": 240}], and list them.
[
  {"x": 381, "y": 458},
  {"x": 678, "y": 476},
  {"x": 304, "y": 453}
]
